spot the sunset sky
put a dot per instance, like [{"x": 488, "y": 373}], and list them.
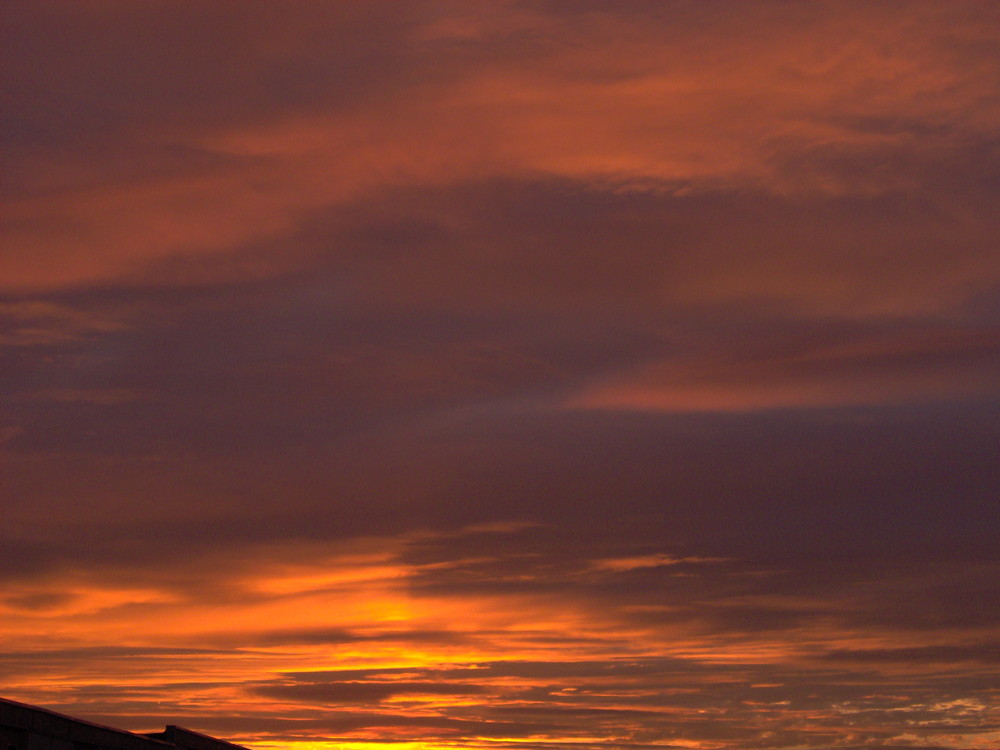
[{"x": 509, "y": 374}]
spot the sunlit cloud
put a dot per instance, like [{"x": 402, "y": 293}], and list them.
[
  {"x": 920, "y": 366},
  {"x": 623, "y": 564},
  {"x": 641, "y": 106}
]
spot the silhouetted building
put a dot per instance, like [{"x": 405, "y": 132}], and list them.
[{"x": 24, "y": 727}]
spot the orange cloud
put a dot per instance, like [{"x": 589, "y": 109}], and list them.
[
  {"x": 921, "y": 366},
  {"x": 599, "y": 100}
]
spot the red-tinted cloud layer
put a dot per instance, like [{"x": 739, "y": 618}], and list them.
[{"x": 504, "y": 374}]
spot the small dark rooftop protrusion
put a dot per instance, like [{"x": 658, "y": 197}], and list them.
[{"x": 26, "y": 727}]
